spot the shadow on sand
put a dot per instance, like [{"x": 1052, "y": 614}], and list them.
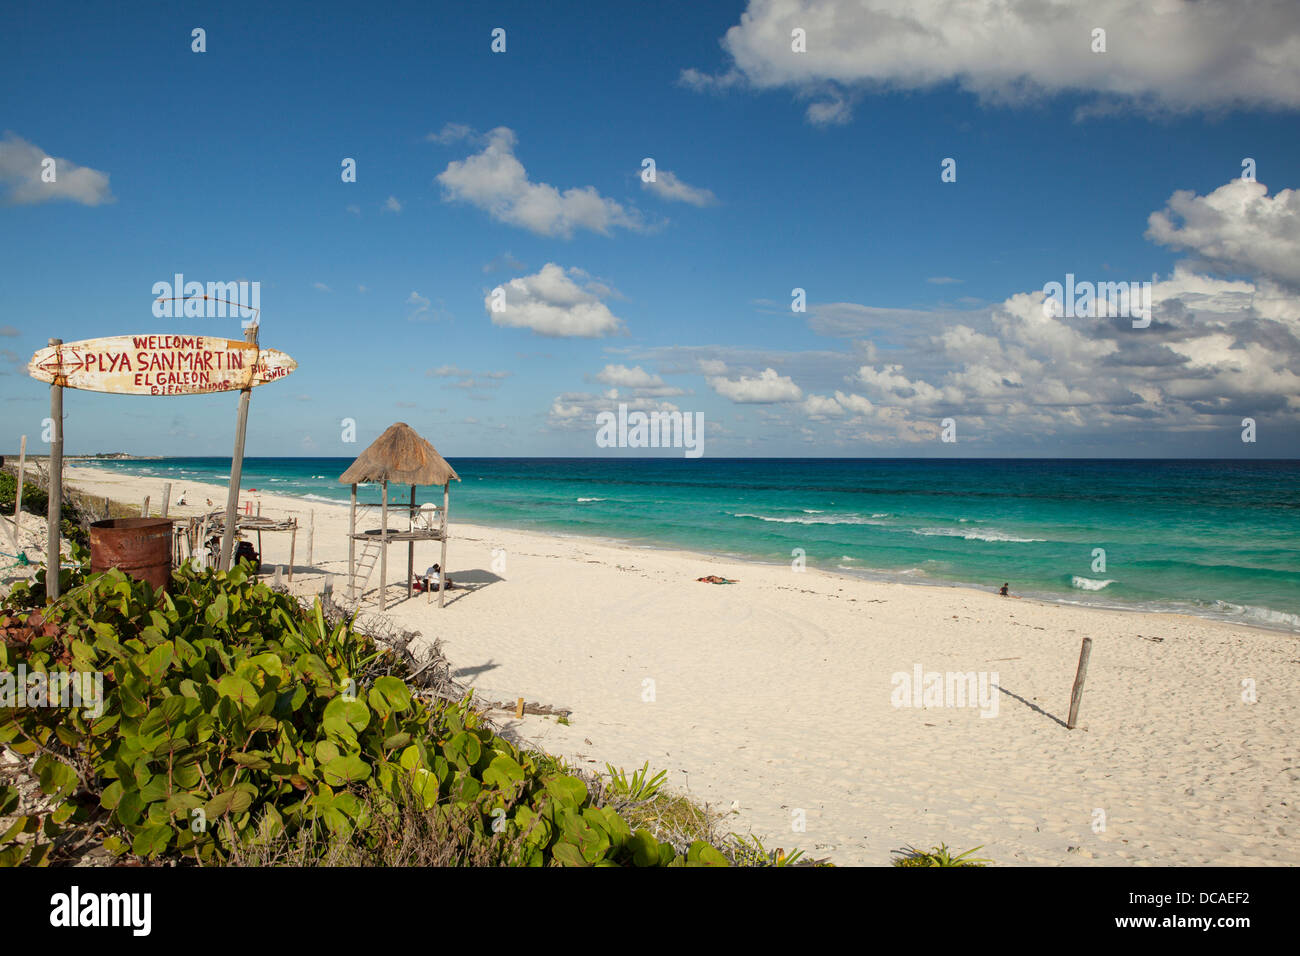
[{"x": 1032, "y": 706}]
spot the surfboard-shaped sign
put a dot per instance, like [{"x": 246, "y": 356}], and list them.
[{"x": 159, "y": 365}]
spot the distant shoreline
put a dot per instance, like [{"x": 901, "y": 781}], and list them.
[{"x": 7, "y": 456}]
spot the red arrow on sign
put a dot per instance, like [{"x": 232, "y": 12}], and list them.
[{"x": 71, "y": 362}]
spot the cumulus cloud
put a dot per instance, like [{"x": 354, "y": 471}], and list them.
[
  {"x": 494, "y": 180},
  {"x": 666, "y": 185},
  {"x": 552, "y": 303},
  {"x": 1236, "y": 229},
  {"x": 1219, "y": 348},
  {"x": 763, "y": 389},
  {"x": 578, "y": 410},
  {"x": 621, "y": 375},
  {"x": 21, "y": 169},
  {"x": 392, "y": 204},
  {"x": 821, "y": 406},
  {"x": 1190, "y": 56},
  {"x": 643, "y": 383}
]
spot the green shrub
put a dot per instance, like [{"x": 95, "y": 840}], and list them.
[
  {"x": 937, "y": 856},
  {"x": 35, "y": 500},
  {"x": 234, "y": 719}
]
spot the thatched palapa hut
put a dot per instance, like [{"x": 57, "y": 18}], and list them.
[{"x": 402, "y": 457}]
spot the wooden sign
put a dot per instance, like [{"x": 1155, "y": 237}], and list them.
[{"x": 159, "y": 365}]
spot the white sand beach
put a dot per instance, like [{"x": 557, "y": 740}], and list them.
[{"x": 775, "y": 696}]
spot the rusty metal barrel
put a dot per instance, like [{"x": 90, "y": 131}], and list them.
[{"x": 140, "y": 547}]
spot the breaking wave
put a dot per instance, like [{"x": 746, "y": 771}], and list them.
[
  {"x": 988, "y": 535},
  {"x": 1088, "y": 584},
  {"x": 811, "y": 519}
]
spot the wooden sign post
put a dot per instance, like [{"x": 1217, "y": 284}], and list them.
[
  {"x": 54, "y": 511},
  {"x": 155, "y": 365},
  {"x": 236, "y": 466}
]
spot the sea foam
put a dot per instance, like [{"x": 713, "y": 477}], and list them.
[{"x": 1089, "y": 584}]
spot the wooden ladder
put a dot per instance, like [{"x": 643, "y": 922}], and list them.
[{"x": 365, "y": 565}]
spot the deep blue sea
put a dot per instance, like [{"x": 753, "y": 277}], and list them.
[{"x": 1219, "y": 538}]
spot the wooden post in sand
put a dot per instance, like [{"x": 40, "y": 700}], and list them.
[
  {"x": 167, "y": 497},
  {"x": 410, "y": 552},
  {"x": 18, "y": 492},
  {"x": 383, "y": 554},
  {"x": 293, "y": 544},
  {"x": 54, "y": 513},
  {"x": 311, "y": 535},
  {"x": 144, "y": 507},
  {"x": 1076, "y": 694},
  {"x": 352, "y": 546},
  {"x": 446, "y": 501}
]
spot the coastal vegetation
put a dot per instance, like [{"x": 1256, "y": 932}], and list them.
[
  {"x": 937, "y": 856},
  {"x": 237, "y": 726}
]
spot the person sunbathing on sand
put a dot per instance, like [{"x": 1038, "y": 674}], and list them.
[{"x": 714, "y": 579}]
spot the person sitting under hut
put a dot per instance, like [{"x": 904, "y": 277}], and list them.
[{"x": 433, "y": 579}]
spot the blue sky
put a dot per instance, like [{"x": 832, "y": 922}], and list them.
[{"x": 818, "y": 170}]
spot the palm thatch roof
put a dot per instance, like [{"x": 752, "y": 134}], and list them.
[{"x": 401, "y": 457}]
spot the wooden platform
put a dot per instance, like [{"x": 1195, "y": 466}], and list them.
[{"x": 420, "y": 534}]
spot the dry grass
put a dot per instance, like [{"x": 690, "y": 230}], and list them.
[{"x": 404, "y": 834}]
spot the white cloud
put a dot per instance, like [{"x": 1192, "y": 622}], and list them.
[
  {"x": 666, "y": 185},
  {"x": 321, "y": 287},
  {"x": 621, "y": 375},
  {"x": 1166, "y": 55},
  {"x": 392, "y": 204},
  {"x": 943, "y": 280},
  {"x": 469, "y": 380},
  {"x": 21, "y": 172},
  {"x": 1218, "y": 349},
  {"x": 821, "y": 406},
  {"x": 422, "y": 305},
  {"x": 764, "y": 389},
  {"x": 552, "y": 303},
  {"x": 452, "y": 133},
  {"x": 1237, "y": 229},
  {"x": 496, "y": 181},
  {"x": 577, "y": 410},
  {"x": 636, "y": 378}
]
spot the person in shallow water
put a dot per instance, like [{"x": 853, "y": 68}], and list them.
[{"x": 1003, "y": 590}]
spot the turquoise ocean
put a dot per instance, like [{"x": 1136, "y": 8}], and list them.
[{"x": 1216, "y": 538}]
